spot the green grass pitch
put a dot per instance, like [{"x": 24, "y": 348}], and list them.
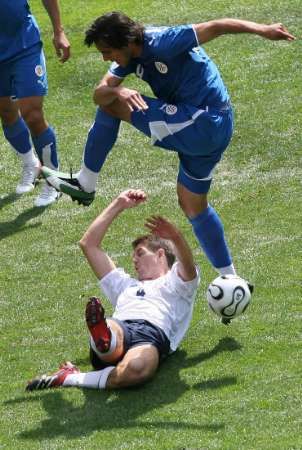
[{"x": 232, "y": 388}]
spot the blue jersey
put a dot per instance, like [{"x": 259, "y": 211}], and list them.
[
  {"x": 176, "y": 68},
  {"x": 18, "y": 29}
]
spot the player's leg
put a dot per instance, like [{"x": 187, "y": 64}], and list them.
[
  {"x": 101, "y": 138},
  {"x": 30, "y": 87},
  {"x": 17, "y": 134},
  {"x": 138, "y": 366},
  {"x": 194, "y": 181},
  {"x": 199, "y": 137},
  {"x": 207, "y": 227}
]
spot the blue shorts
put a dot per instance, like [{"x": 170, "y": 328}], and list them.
[
  {"x": 199, "y": 136},
  {"x": 25, "y": 75},
  {"x": 137, "y": 332}
]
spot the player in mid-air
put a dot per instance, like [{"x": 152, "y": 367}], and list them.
[
  {"x": 151, "y": 312},
  {"x": 23, "y": 84},
  {"x": 190, "y": 114}
]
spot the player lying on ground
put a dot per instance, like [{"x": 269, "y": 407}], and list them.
[
  {"x": 23, "y": 85},
  {"x": 190, "y": 114},
  {"x": 151, "y": 313}
]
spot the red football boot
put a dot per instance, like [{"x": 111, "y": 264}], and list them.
[
  {"x": 54, "y": 380},
  {"x": 97, "y": 325}
]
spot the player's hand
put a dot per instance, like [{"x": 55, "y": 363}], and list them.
[
  {"x": 62, "y": 46},
  {"x": 132, "y": 98},
  {"x": 161, "y": 227},
  {"x": 131, "y": 198},
  {"x": 277, "y": 31}
]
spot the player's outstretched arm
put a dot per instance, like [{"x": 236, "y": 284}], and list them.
[
  {"x": 207, "y": 31},
  {"x": 60, "y": 41},
  {"x": 167, "y": 230},
  {"x": 91, "y": 241}
]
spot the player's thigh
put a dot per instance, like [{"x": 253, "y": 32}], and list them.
[
  {"x": 196, "y": 169},
  {"x": 140, "y": 362},
  {"x": 29, "y": 76},
  {"x": 196, "y": 172},
  {"x": 179, "y": 127},
  {"x": 8, "y": 110},
  {"x": 31, "y": 104}
]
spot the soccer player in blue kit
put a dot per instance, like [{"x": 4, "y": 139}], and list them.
[
  {"x": 190, "y": 114},
  {"x": 23, "y": 84}
]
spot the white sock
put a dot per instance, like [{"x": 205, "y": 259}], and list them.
[
  {"x": 29, "y": 158},
  {"x": 90, "y": 380},
  {"x": 228, "y": 270},
  {"x": 111, "y": 348},
  {"x": 87, "y": 179}
]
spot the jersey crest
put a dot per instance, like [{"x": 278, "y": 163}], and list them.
[
  {"x": 161, "y": 67},
  {"x": 140, "y": 293}
]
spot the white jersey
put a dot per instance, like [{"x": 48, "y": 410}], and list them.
[{"x": 166, "y": 302}]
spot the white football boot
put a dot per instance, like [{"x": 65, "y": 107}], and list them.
[
  {"x": 48, "y": 196},
  {"x": 28, "y": 179}
]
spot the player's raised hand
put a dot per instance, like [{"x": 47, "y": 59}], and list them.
[
  {"x": 162, "y": 227},
  {"x": 276, "y": 32},
  {"x": 62, "y": 46},
  {"x": 131, "y": 198}
]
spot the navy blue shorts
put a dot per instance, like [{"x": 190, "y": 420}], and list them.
[
  {"x": 137, "y": 332},
  {"x": 199, "y": 136}
]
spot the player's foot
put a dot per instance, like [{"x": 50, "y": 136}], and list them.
[
  {"x": 68, "y": 184},
  {"x": 28, "y": 179},
  {"x": 54, "y": 380},
  {"x": 48, "y": 196},
  {"x": 97, "y": 325}
]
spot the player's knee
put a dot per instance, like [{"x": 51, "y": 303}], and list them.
[
  {"x": 193, "y": 206},
  {"x": 34, "y": 119},
  {"x": 138, "y": 371}
]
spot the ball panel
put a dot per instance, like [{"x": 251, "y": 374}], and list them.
[{"x": 228, "y": 296}]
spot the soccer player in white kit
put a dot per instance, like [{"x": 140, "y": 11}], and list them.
[{"x": 151, "y": 312}]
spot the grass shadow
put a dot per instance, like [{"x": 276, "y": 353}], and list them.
[
  {"x": 19, "y": 223},
  {"x": 8, "y": 199},
  {"x": 117, "y": 410}
]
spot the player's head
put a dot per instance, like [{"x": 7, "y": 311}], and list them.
[
  {"x": 152, "y": 256},
  {"x": 115, "y": 30}
]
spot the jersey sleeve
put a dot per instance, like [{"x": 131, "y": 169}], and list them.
[
  {"x": 173, "y": 41},
  {"x": 114, "y": 283},
  {"x": 184, "y": 289},
  {"x": 119, "y": 71}
]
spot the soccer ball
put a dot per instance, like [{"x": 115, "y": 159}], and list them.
[{"x": 228, "y": 296}]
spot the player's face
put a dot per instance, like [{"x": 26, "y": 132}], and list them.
[
  {"x": 146, "y": 263},
  {"x": 121, "y": 56}
]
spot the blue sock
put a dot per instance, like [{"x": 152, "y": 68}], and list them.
[
  {"x": 18, "y": 136},
  {"x": 209, "y": 231},
  {"x": 101, "y": 138},
  {"x": 46, "y": 148}
]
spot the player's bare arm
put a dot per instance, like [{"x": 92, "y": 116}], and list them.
[
  {"x": 109, "y": 89},
  {"x": 90, "y": 243},
  {"x": 167, "y": 230},
  {"x": 60, "y": 41},
  {"x": 210, "y": 30}
]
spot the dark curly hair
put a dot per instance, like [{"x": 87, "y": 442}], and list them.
[{"x": 115, "y": 30}]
